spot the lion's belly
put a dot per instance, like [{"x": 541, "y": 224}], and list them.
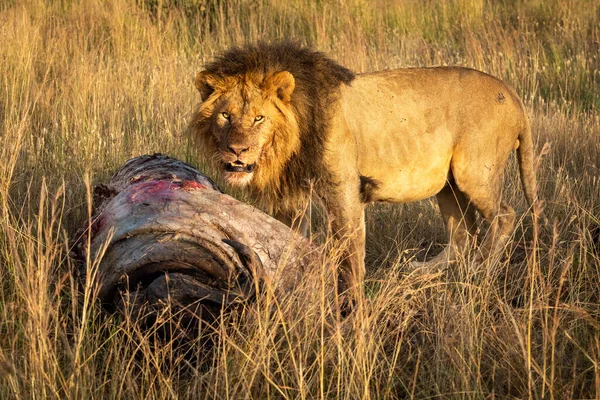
[
  {"x": 404, "y": 134},
  {"x": 405, "y": 174}
]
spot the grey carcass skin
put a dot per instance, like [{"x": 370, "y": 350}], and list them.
[{"x": 166, "y": 234}]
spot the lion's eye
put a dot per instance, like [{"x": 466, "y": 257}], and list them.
[
  {"x": 225, "y": 115},
  {"x": 258, "y": 118}
]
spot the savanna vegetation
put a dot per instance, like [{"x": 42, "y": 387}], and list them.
[{"x": 87, "y": 84}]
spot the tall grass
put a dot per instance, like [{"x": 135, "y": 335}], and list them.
[{"x": 85, "y": 85}]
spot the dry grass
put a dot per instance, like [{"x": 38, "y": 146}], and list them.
[{"x": 85, "y": 85}]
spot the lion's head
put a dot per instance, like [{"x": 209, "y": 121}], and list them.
[
  {"x": 264, "y": 116},
  {"x": 248, "y": 123}
]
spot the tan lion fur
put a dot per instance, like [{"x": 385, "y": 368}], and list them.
[{"x": 396, "y": 136}]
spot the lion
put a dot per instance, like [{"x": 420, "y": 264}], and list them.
[{"x": 282, "y": 120}]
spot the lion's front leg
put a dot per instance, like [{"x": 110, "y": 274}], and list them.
[
  {"x": 347, "y": 216},
  {"x": 352, "y": 268}
]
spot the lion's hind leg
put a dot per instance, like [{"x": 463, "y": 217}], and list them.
[
  {"x": 487, "y": 199},
  {"x": 461, "y": 226},
  {"x": 502, "y": 222}
]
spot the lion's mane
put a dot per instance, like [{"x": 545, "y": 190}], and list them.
[{"x": 316, "y": 79}]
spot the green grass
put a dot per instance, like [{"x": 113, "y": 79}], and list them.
[{"x": 85, "y": 85}]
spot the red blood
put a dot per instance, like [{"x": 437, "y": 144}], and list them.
[
  {"x": 151, "y": 191},
  {"x": 158, "y": 190}
]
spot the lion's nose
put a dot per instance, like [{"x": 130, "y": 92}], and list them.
[{"x": 238, "y": 149}]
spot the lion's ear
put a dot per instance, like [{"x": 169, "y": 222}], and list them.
[
  {"x": 282, "y": 84},
  {"x": 206, "y": 82}
]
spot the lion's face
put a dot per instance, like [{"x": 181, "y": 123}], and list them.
[
  {"x": 242, "y": 128},
  {"x": 244, "y": 116}
]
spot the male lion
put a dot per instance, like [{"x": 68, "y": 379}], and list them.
[{"x": 279, "y": 119}]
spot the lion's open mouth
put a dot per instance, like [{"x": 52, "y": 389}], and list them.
[{"x": 235, "y": 167}]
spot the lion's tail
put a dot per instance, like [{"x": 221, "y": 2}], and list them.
[{"x": 526, "y": 163}]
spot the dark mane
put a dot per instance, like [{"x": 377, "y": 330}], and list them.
[
  {"x": 317, "y": 79},
  {"x": 310, "y": 68}
]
